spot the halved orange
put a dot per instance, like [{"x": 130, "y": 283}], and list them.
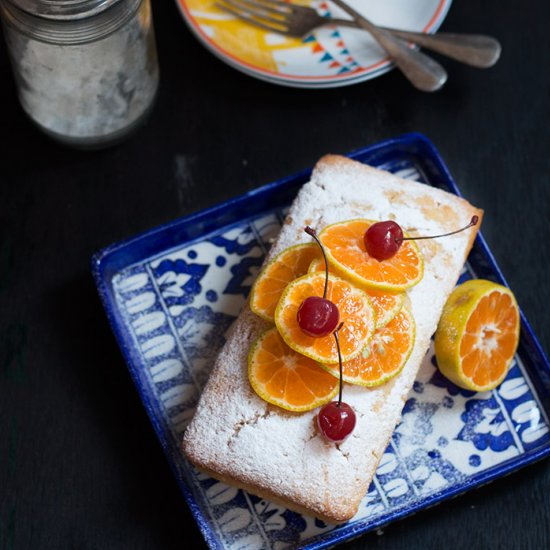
[
  {"x": 345, "y": 249},
  {"x": 285, "y": 378},
  {"x": 386, "y": 355},
  {"x": 477, "y": 335},
  {"x": 386, "y": 305},
  {"x": 356, "y": 312},
  {"x": 291, "y": 263}
]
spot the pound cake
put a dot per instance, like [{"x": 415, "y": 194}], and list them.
[{"x": 238, "y": 438}]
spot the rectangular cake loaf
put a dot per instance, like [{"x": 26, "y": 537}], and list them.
[{"x": 238, "y": 438}]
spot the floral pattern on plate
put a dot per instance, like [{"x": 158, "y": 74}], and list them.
[
  {"x": 172, "y": 294},
  {"x": 178, "y": 305}
]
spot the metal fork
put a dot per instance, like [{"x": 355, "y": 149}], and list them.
[
  {"x": 423, "y": 72},
  {"x": 473, "y": 49}
]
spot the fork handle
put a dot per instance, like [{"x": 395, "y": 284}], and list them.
[
  {"x": 477, "y": 50},
  {"x": 423, "y": 72}
]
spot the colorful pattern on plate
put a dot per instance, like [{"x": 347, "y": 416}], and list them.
[
  {"x": 329, "y": 56},
  {"x": 177, "y": 308}
]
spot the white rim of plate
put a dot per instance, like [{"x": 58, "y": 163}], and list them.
[
  {"x": 355, "y": 79},
  {"x": 308, "y": 82}
]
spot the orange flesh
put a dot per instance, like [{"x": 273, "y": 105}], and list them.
[
  {"x": 358, "y": 318},
  {"x": 385, "y": 356},
  {"x": 346, "y": 245},
  {"x": 490, "y": 338},
  {"x": 289, "y": 265},
  {"x": 382, "y": 302},
  {"x": 287, "y": 375}
]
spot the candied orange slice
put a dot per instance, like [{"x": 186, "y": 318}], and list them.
[
  {"x": 345, "y": 249},
  {"x": 386, "y": 305},
  {"x": 477, "y": 335},
  {"x": 386, "y": 355},
  {"x": 285, "y": 378},
  {"x": 356, "y": 312},
  {"x": 291, "y": 263}
]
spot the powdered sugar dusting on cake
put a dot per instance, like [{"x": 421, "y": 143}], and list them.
[{"x": 242, "y": 439}]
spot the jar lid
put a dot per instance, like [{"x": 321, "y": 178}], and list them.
[{"x": 63, "y": 9}]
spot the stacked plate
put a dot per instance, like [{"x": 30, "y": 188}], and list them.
[{"x": 329, "y": 57}]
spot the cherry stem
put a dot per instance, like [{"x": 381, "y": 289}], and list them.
[
  {"x": 339, "y": 362},
  {"x": 473, "y": 222},
  {"x": 312, "y": 233}
]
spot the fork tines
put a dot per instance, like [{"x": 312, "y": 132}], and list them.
[{"x": 270, "y": 15}]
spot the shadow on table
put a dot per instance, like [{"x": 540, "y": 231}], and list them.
[{"x": 132, "y": 489}]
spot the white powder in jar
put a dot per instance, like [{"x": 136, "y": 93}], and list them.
[{"x": 88, "y": 92}]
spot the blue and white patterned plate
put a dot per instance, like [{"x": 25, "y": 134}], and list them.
[{"x": 172, "y": 293}]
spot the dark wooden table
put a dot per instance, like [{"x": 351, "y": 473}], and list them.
[{"x": 80, "y": 466}]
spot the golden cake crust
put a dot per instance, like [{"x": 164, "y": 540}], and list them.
[{"x": 240, "y": 439}]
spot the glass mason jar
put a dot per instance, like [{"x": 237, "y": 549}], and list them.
[{"x": 86, "y": 70}]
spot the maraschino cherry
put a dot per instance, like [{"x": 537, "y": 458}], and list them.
[
  {"x": 384, "y": 239},
  {"x": 317, "y": 316},
  {"x": 336, "y": 420}
]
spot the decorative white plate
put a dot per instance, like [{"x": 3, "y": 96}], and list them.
[{"x": 329, "y": 57}]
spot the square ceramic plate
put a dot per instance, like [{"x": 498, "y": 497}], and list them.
[{"x": 172, "y": 293}]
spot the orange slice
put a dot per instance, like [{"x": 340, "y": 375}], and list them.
[
  {"x": 477, "y": 335},
  {"x": 345, "y": 249},
  {"x": 386, "y": 355},
  {"x": 287, "y": 379},
  {"x": 356, "y": 312},
  {"x": 386, "y": 305},
  {"x": 291, "y": 263}
]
